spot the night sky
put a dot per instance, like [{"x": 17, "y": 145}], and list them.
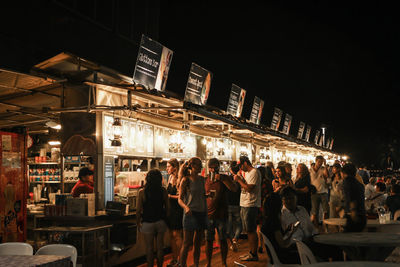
[{"x": 335, "y": 64}]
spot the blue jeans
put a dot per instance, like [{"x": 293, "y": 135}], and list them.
[{"x": 234, "y": 222}]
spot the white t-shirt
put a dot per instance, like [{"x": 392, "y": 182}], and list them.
[
  {"x": 252, "y": 199},
  {"x": 318, "y": 180}
]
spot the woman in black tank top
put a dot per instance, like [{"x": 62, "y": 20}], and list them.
[{"x": 151, "y": 214}]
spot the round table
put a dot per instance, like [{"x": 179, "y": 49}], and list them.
[
  {"x": 353, "y": 264},
  {"x": 370, "y": 222},
  {"x": 370, "y": 246}
]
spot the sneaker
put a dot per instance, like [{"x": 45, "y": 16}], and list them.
[
  {"x": 234, "y": 246},
  {"x": 250, "y": 257},
  {"x": 244, "y": 256}
]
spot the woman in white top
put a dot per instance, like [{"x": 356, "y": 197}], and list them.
[{"x": 336, "y": 200}]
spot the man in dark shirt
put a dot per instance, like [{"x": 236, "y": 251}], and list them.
[
  {"x": 216, "y": 187},
  {"x": 393, "y": 201},
  {"x": 354, "y": 200}
]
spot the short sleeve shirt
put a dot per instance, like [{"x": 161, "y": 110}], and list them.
[
  {"x": 318, "y": 180},
  {"x": 251, "y": 199}
]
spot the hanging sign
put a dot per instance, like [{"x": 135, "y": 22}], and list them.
[
  {"x": 302, "y": 126},
  {"x": 198, "y": 85},
  {"x": 152, "y": 64},
  {"x": 276, "y": 119},
  {"x": 308, "y": 133},
  {"x": 331, "y": 143},
  {"x": 236, "y": 101},
  {"x": 316, "y": 137},
  {"x": 286, "y": 124},
  {"x": 256, "y": 112}
]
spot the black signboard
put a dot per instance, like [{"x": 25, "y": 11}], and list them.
[
  {"x": 308, "y": 133},
  {"x": 276, "y": 119},
  {"x": 286, "y": 124},
  {"x": 236, "y": 101},
  {"x": 256, "y": 111},
  {"x": 152, "y": 64},
  {"x": 302, "y": 127},
  {"x": 316, "y": 137},
  {"x": 198, "y": 85}
]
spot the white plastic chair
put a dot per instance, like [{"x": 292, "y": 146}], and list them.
[
  {"x": 305, "y": 253},
  {"x": 274, "y": 256},
  {"x": 59, "y": 249},
  {"x": 16, "y": 248}
]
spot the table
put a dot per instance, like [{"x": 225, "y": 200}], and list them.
[
  {"x": 353, "y": 264},
  {"x": 34, "y": 260},
  {"x": 85, "y": 239},
  {"x": 370, "y": 222},
  {"x": 370, "y": 246}
]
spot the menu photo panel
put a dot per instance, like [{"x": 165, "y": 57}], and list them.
[
  {"x": 316, "y": 137},
  {"x": 302, "y": 127},
  {"x": 308, "y": 133},
  {"x": 256, "y": 111},
  {"x": 276, "y": 119},
  {"x": 286, "y": 124},
  {"x": 198, "y": 85},
  {"x": 236, "y": 101},
  {"x": 152, "y": 64}
]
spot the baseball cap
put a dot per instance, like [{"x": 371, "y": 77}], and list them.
[{"x": 84, "y": 171}]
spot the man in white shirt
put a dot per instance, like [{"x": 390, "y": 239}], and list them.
[
  {"x": 291, "y": 213},
  {"x": 250, "y": 202},
  {"x": 370, "y": 188},
  {"x": 319, "y": 175}
]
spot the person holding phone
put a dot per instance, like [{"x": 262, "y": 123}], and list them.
[{"x": 217, "y": 185}]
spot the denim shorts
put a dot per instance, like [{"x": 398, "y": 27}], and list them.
[
  {"x": 195, "y": 221},
  {"x": 218, "y": 224},
  {"x": 317, "y": 200},
  {"x": 249, "y": 218},
  {"x": 154, "y": 227}
]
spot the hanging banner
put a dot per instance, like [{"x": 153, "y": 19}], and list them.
[
  {"x": 328, "y": 143},
  {"x": 255, "y": 115},
  {"x": 302, "y": 126},
  {"x": 322, "y": 140},
  {"x": 152, "y": 64},
  {"x": 308, "y": 133},
  {"x": 198, "y": 85},
  {"x": 236, "y": 101},
  {"x": 276, "y": 119},
  {"x": 316, "y": 137},
  {"x": 286, "y": 124}
]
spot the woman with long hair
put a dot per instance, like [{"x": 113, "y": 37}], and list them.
[
  {"x": 336, "y": 199},
  {"x": 176, "y": 211},
  {"x": 152, "y": 211},
  {"x": 281, "y": 179},
  {"x": 192, "y": 198},
  {"x": 302, "y": 185}
]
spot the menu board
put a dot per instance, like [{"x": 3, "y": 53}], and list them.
[
  {"x": 316, "y": 137},
  {"x": 331, "y": 143},
  {"x": 276, "y": 119},
  {"x": 223, "y": 148},
  {"x": 108, "y": 179},
  {"x": 152, "y": 64},
  {"x": 236, "y": 101},
  {"x": 256, "y": 111},
  {"x": 308, "y": 133},
  {"x": 286, "y": 124},
  {"x": 198, "y": 85},
  {"x": 302, "y": 127},
  {"x": 264, "y": 154},
  {"x": 243, "y": 149},
  {"x": 322, "y": 140}
]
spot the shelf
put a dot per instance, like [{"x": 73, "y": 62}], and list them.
[
  {"x": 82, "y": 163},
  {"x": 70, "y": 182},
  {"x": 45, "y": 163},
  {"x": 46, "y": 182}
]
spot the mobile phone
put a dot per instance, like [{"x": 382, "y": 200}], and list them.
[{"x": 296, "y": 223}]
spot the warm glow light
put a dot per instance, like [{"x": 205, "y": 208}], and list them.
[
  {"x": 345, "y": 157},
  {"x": 54, "y": 143}
]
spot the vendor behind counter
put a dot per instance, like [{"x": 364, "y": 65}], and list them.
[{"x": 85, "y": 183}]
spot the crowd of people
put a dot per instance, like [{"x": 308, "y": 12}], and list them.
[{"x": 280, "y": 203}]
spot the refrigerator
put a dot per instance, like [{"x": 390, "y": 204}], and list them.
[{"x": 13, "y": 187}]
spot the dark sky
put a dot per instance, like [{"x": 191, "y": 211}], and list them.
[{"x": 322, "y": 63}]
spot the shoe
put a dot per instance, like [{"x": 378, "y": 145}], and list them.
[
  {"x": 234, "y": 246},
  {"x": 250, "y": 257},
  {"x": 260, "y": 250},
  {"x": 244, "y": 256}
]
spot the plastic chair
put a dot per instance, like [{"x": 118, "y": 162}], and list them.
[
  {"x": 274, "y": 256},
  {"x": 59, "y": 249},
  {"x": 396, "y": 215},
  {"x": 16, "y": 248},
  {"x": 305, "y": 253}
]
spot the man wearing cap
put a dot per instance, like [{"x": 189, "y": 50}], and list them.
[
  {"x": 85, "y": 183},
  {"x": 250, "y": 202}
]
